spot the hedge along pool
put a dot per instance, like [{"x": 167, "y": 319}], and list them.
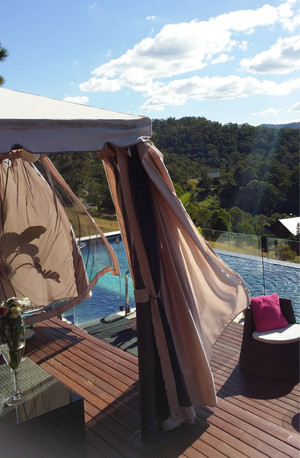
[{"x": 261, "y": 278}]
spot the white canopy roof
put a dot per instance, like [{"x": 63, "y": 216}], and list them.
[{"x": 44, "y": 125}]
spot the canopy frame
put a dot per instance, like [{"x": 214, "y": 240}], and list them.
[{"x": 173, "y": 268}]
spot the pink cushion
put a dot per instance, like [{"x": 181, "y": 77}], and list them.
[{"x": 267, "y": 313}]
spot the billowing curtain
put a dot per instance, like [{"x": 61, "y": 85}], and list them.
[
  {"x": 191, "y": 293},
  {"x": 40, "y": 254}
]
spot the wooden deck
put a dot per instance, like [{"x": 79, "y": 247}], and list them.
[{"x": 255, "y": 417}]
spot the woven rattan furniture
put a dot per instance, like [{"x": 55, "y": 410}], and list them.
[{"x": 274, "y": 360}]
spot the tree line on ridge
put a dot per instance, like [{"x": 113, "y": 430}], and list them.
[{"x": 230, "y": 177}]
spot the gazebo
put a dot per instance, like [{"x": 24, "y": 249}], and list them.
[{"x": 185, "y": 294}]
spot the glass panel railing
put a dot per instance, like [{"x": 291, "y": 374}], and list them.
[
  {"x": 282, "y": 270},
  {"x": 233, "y": 241},
  {"x": 267, "y": 265},
  {"x": 283, "y": 250},
  {"x": 242, "y": 253},
  {"x": 112, "y": 294}
]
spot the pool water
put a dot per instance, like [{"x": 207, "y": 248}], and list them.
[
  {"x": 109, "y": 293},
  {"x": 267, "y": 278}
]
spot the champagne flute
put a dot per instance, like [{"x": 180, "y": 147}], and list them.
[{"x": 12, "y": 348}]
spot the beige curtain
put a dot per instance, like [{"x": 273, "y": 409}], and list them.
[
  {"x": 39, "y": 254},
  {"x": 194, "y": 295}
]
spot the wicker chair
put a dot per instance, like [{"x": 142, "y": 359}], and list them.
[{"x": 280, "y": 360}]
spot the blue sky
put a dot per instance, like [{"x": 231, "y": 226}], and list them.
[{"x": 228, "y": 61}]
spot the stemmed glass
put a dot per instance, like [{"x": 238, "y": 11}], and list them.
[{"x": 12, "y": 348}]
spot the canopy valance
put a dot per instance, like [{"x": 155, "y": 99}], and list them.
[{"x": 44, "y": 125}]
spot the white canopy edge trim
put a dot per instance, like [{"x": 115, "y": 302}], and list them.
[{"x": 43, "y": 125}]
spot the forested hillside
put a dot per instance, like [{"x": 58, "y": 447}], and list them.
[
  {"x": 257, "y": 179},
  {"x": 258, "y": 171}
]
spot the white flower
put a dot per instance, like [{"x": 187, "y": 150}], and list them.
[
  {"x": 14, "y": 306},
  {"x": 17, "y": 302},
  {"x": 16, "y": 310},
  {"x": 25, "y": 302}
]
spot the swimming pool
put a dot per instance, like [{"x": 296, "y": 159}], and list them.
[{"x": 260, "y": 278}]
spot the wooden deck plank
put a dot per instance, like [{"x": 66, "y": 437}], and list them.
[
  {"x": 278, "y": 406},
  {"x": 265, "y": 433},
  {"x": 248, "y": 421}
]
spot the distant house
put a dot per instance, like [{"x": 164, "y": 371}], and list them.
[
  {"x": 215, "y": 176},
  {"x": 284, "y": 228}
]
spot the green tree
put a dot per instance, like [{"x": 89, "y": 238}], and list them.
[
  {"x": 241, "y": 221},
  {"x": 237, "y": 218},
  {"x": 76, "y": 169},
  {"x": 260, "y": 223},
  {"x": 3, "y": 55},
  {"x": 284, "y": 252},
  {"x": 245, "y": 228},
  {"x": 259, "y": 197},
  {"x": 98, "y": 189},
  {"x": 221, "y": 220},
  {"x": 276, "y": 216},
  {"x": 94, "y": 191},
  {"x": 244, "y": 174},
  {"x": 178, "y": 189},
  {"x": 193, "y": 211},
  {"x": 205, "y": 181},
  {"x": 204, "y": 216},
  {"x": 104, "y": 201},
  {"x": 291, "y": 192},
  {"x": 221, "y": 224}
]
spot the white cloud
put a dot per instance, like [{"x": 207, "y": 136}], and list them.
[
  {"x": 177, "y": 92},
  {"x": 247, "y": 20},
  {"x": 176, "y": 49},
  {"x": 268, "y": 112},
  {"x": 82, "y": 99},
  {"x": 287, "y": 17},
  {"x": 283, "y": 57},
  {"x": 101, "y": 85},
  {"x": 151, "y": 18},
  {"x": 190, "y": 47},
  {"x": 295, "y": 107}
]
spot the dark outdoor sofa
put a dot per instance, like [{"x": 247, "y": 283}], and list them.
[{"x": 280, "y": 360}]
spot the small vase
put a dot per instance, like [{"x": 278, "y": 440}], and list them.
[{"x": 12, "y": 332}]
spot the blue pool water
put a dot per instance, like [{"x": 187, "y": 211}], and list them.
[{"x": 266, "y": 278}]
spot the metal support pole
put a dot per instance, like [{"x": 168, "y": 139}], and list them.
[
  {"x": 149, "y": 438},
  {"x": 146, "y": 371},
  {"x": 127, "y": 307}
]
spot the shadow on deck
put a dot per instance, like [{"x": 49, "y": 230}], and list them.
[{"x": 255, "y": 417}]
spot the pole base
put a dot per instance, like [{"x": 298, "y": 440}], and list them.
[{"x": 158, "y": 442}]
